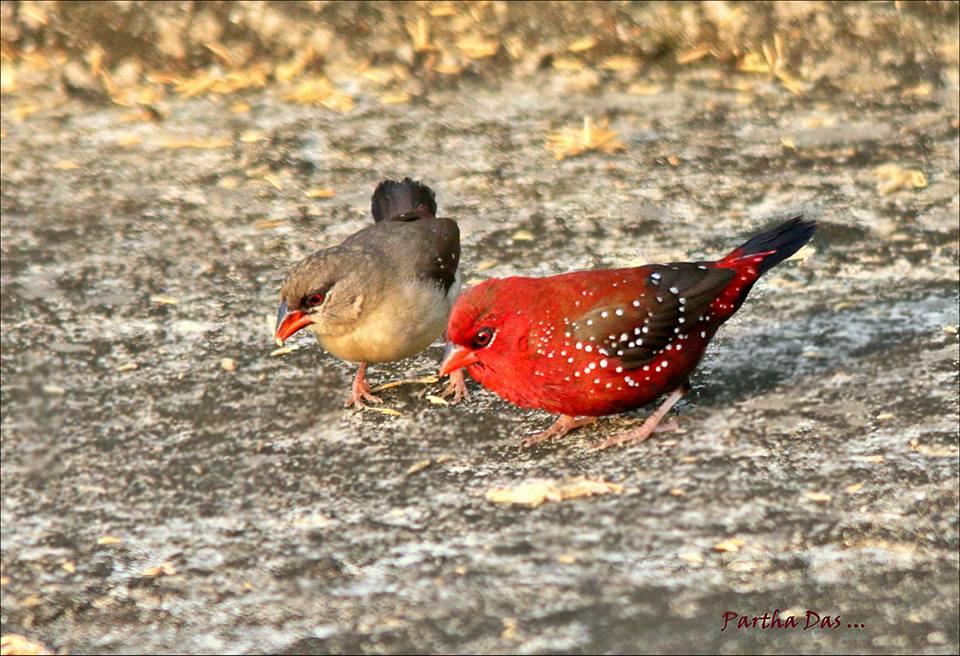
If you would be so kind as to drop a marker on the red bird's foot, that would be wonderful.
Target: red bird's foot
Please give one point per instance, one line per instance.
(361, 391)
(649, 426)
(456, 388)
(560, 427)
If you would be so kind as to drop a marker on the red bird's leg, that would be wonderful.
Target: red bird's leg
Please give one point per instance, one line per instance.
(560, 427)
(650, 425)
(457, 387)
(361, 390)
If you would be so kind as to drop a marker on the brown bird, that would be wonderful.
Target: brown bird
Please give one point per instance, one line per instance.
(385, 293)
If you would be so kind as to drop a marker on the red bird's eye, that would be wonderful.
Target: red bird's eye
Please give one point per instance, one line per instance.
(483, 337)
(313, 299)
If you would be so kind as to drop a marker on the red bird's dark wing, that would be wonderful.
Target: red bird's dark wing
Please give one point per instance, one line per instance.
(672, 298)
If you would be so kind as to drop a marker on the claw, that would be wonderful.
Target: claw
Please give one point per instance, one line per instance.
(560, 427)
(360, 391)
(457, 387)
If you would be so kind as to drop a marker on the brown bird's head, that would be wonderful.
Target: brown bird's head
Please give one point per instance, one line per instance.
(326, 292)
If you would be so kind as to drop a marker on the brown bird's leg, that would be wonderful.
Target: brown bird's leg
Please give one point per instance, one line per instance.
(560, 427)
(650, 425)
(456, 387)
(361, 390)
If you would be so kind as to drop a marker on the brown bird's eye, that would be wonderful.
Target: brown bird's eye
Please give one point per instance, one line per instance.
(314, 299)
(483, 337)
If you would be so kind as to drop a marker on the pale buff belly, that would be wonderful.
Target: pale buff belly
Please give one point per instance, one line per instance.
(397, 329)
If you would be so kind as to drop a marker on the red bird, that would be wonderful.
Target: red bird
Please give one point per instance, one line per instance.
(592, 343)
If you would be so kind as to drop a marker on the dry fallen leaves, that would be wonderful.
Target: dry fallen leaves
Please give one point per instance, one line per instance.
(13, 643)
(108, 540)
(199, 143)
(320, 91)
(570, 142)
(476, 47)
(222, 83)
(582, 44)
(731, 546)
(892, 178)
(770, 61)
(425, 380)
(320, 193)
(384, 411)
(163, 569)
(536, 492)
(692, 557)
(817, 497)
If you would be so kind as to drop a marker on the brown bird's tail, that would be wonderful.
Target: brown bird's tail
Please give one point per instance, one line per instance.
(405, 200)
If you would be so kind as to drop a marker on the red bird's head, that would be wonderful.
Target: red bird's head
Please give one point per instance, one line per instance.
(486, 331)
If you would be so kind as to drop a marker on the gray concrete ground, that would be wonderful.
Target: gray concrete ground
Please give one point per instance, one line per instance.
(155, 501)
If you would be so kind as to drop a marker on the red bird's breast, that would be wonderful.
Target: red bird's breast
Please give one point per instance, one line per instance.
(601, 342)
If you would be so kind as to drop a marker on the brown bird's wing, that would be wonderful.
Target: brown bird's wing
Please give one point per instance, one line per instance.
(414, 247)
(670, 300)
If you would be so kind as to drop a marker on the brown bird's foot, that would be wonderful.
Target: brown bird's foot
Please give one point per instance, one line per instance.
(457, 387)
(560, 427)
(648, 427)
(361, 391)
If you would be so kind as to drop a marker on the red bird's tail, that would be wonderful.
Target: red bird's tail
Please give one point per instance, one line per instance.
(760, 254)
(775, 245)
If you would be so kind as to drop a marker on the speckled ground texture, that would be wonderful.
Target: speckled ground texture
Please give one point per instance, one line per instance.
(821, 431)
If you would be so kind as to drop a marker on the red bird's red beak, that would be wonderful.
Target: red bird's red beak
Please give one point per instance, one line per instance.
(290, 322)
(457, 357)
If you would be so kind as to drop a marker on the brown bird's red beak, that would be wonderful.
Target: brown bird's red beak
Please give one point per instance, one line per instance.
(457, 357)
(290, 322)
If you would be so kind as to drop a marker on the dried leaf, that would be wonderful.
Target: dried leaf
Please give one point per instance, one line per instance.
(691, 56)
(693, 557)
(620, 63)
(536, 492)
(418, 467)
(198, 143)
(476, 47)
(853, 489)
(442, 11)
(163, 299)
(570, 142)
(320, 91)
(582, 44)
(163, 569)
(568, 64)
(644, 89)
(317, 192)
(731, 546)
(399, 98)
(509, 628)
(252, 136)
(13, 643)
(523, 235)
(892, 178)
(108, 540)
(284, 350)
(420, 35)
(425, 380)
(384, 411)
(818, 497)
(128, 366)
(294, 67)
(437, 400)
